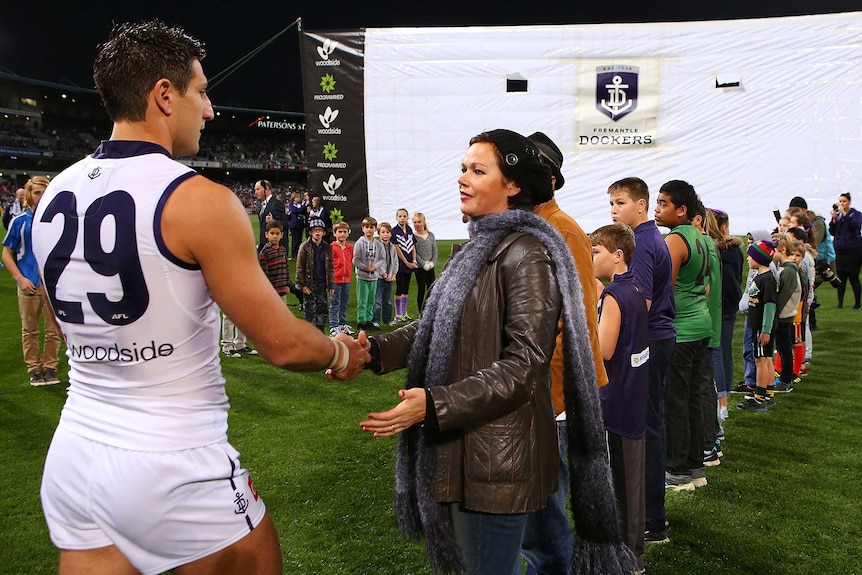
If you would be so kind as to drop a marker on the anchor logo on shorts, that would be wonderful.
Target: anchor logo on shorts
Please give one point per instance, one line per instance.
(241, 504)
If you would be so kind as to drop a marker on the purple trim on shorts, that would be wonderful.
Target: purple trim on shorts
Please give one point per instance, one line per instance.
(232, 471)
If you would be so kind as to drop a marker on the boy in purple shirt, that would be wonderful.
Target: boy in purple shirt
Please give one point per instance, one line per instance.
(625, 350)
(651, 268)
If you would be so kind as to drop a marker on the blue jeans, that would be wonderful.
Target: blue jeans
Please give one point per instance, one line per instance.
(489, 543)
(338, 304)
(656, 454)
(383, 302)
(723, 361)
(717, 374)
(749, 369)
(709, 399)
(547, 544)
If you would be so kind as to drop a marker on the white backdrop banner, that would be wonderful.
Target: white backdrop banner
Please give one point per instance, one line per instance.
(750, 112)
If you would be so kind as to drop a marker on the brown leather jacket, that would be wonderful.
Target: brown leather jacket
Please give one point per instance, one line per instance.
(305, 264)
(497, 444)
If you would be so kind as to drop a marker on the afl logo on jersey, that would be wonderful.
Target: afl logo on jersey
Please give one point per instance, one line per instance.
(95, 173)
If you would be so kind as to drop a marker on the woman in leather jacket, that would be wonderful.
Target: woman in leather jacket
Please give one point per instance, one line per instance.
(477, 447)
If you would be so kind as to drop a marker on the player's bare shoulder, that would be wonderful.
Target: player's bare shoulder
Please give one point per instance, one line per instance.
(199, 204)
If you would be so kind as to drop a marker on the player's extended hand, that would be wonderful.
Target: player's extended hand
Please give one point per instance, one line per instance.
(409, 412)
(359, 356)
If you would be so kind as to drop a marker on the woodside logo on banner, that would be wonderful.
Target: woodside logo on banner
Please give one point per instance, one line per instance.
(333, 90)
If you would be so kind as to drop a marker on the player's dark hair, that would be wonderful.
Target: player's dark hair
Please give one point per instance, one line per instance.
(135, 57)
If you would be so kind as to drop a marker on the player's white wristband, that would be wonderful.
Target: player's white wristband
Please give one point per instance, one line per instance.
(340, 357)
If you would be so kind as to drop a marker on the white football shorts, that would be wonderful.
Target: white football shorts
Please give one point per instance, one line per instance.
(161, 509)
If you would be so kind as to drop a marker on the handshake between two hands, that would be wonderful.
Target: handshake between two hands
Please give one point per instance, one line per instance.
(358, 355)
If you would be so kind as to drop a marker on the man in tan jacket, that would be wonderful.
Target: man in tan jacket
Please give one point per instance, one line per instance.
(547, 544)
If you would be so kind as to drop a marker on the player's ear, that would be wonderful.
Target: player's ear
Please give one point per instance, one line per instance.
(162, 94)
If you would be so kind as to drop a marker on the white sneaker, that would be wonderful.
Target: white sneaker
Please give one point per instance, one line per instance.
(232, 353)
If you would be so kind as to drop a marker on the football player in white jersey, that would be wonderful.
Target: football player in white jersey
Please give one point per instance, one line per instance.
(140, 477)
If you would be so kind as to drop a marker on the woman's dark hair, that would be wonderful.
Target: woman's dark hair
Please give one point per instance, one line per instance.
(520, 161)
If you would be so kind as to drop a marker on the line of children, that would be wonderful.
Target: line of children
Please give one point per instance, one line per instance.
(321, 272)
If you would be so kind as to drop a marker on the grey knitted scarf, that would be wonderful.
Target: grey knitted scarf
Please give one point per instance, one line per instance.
(598, 543)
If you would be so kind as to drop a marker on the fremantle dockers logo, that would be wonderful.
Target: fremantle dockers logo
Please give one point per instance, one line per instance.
(616, 90)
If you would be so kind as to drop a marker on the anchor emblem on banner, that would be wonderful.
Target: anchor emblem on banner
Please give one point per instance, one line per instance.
(616, 90)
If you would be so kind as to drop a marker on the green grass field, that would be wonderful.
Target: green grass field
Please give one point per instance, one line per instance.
(786, 498)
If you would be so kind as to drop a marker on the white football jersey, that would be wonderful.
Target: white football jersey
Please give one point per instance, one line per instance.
(140, 326)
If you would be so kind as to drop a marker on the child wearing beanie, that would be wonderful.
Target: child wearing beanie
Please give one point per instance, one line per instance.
(762, 295)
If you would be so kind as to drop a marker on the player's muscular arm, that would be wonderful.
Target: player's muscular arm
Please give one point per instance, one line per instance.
(205, 223)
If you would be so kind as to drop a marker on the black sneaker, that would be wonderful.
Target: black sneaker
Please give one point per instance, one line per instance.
(655, 537)
(37, 379)
(743, 388)
(752, 404)
(781, 387)
(232, 353)
(50, 376)
(247, 350)
(674, 482)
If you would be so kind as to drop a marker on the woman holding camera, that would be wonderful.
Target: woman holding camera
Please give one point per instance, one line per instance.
(846, 228)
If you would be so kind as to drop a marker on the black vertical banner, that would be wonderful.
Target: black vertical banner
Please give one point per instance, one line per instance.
(333, 65)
